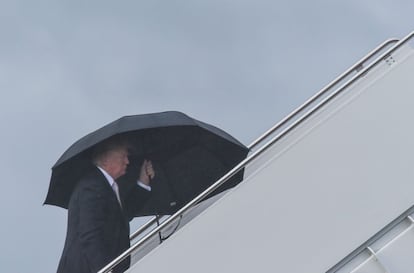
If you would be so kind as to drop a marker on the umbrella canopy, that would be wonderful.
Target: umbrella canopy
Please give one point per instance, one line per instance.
(188, 156)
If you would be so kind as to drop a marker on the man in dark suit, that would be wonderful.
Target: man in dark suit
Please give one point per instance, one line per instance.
(99, 211)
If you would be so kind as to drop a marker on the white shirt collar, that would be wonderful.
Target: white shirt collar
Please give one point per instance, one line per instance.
(111, 181)
(109, 178)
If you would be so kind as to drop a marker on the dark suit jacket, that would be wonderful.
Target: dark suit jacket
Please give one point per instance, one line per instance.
(98, 228)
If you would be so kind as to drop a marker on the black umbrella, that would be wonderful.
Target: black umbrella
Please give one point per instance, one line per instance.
(188, 156)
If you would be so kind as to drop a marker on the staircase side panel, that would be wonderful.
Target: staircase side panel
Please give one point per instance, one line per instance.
(317, 194)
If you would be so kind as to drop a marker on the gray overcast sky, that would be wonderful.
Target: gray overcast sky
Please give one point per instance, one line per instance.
(69, 67)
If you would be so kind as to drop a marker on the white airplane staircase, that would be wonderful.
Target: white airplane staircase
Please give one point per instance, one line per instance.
(328, 189)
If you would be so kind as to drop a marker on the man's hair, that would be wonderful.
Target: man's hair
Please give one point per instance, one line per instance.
(114, 143)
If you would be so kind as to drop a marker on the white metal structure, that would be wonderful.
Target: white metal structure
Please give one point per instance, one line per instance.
(331, 191)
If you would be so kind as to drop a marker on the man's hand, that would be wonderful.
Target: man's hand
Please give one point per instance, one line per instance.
(147, 172)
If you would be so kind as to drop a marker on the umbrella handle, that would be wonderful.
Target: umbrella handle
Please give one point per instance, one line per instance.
(162, 239)
(174, 230)
(157, 218)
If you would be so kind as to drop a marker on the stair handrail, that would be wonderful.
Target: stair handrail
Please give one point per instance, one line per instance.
(366, 245)
(142, 228)
(251, 157)
(357, 66)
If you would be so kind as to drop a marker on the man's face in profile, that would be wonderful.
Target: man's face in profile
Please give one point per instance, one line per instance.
(117, 162)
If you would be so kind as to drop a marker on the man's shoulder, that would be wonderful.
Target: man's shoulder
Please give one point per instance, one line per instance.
(92, 178)
(90, 185)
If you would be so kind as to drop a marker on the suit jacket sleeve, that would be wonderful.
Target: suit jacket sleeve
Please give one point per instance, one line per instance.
(134, 198)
